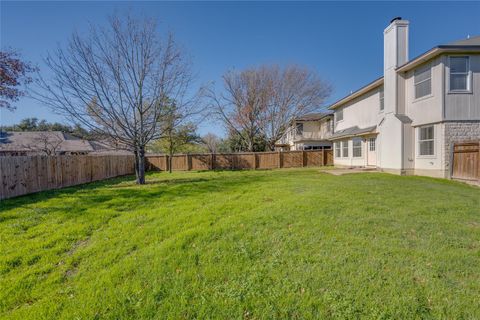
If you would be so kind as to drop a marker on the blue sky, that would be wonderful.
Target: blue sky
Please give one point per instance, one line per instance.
(342, 41)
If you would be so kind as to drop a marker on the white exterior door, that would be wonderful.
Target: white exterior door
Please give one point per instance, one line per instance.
(372, 151)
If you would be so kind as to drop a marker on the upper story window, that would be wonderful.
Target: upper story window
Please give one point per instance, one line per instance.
(382, 101)
(329, 125)
(423, 81)
(459, 74)
(339, 115)
(426, 141)
(299, 129)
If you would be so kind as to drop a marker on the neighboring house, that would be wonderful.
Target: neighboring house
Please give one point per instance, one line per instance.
(309, 132)
(49, 143)
(407, 121)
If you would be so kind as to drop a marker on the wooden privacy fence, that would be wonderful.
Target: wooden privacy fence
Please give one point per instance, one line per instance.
(23, 175)
(466, 161)
(250, 160)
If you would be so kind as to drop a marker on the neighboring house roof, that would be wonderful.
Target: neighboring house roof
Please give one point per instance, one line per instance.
(33, 141)
(352, 132)
(372, 85)
(314, 116)
(469, 45)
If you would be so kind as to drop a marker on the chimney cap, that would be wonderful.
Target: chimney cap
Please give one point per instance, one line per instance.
(395, 19)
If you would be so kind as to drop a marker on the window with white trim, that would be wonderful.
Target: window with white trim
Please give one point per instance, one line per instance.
(382, 100)
(423, 81)
(337, 149)
(357, 147)
(339, 115)
(426, 141)
(459, 73)
(371, 144)
(299, 129)
(345, 149)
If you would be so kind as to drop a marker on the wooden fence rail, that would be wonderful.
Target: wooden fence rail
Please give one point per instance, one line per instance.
(23, 175)
(29, 174)
(466, 161)
(247, 160)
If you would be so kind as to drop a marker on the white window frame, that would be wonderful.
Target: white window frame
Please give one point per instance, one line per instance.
(343, 149)
(328, 123)
(381, 97)
(338, 148)
(469, 75)
(426, 140)
(429, 65)
(370, 144)
(299, 132)
(339, 111)
(357, 147)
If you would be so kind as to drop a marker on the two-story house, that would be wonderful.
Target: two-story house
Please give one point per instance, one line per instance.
(308, 132)
(407, 121)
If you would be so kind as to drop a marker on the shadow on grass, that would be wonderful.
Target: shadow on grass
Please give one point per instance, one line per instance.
(122, 194)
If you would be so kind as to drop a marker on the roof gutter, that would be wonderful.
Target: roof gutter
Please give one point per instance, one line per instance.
(369, 133)
(435, 52)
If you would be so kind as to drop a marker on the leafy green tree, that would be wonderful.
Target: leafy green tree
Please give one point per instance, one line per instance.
(237, 143)
(33, 124)
(179, 139)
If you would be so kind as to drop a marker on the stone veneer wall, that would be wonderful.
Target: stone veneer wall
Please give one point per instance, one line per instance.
(458, 132)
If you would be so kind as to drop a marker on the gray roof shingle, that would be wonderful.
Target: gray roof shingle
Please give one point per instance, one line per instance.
(351, 132)
(314, 116)
(472, 41)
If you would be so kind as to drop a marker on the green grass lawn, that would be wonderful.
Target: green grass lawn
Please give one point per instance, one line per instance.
(294, 244)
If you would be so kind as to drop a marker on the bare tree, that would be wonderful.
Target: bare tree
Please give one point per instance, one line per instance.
(241, 107)
(211, 142)
(118, 82)
(178, 126)
(294, 91)
(263, 101)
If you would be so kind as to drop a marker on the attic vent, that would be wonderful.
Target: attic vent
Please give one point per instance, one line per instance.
(396, 18)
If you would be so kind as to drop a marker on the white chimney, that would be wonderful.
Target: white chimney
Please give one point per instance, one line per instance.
(395, 48)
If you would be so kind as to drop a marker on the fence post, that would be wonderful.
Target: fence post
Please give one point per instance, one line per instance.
(452, 158)
(189, 161)
(478, 162)
(254, 161)
(304, 159)
(280, 164)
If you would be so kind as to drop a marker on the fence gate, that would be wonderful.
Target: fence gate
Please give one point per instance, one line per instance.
(466, 161)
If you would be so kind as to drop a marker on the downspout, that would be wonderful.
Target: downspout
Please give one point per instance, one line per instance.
(402, 153)
(443, 62)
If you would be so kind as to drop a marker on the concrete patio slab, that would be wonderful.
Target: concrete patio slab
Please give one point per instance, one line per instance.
(342, 171)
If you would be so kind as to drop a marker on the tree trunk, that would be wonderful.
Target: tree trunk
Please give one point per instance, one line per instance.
(141, 165)
(250, 145)
(170, 159)
(135, 154)
(271, 145)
